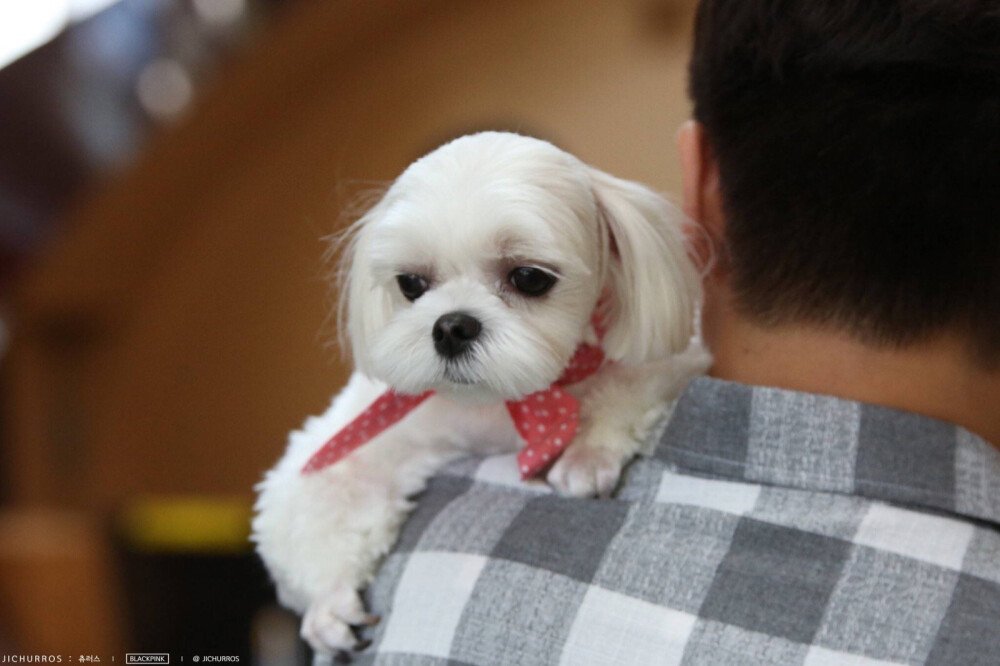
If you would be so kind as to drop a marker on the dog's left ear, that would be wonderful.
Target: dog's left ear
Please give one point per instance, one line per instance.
(365, 305)
(653, 282)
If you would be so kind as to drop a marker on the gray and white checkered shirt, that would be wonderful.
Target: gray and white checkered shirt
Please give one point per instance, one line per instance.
(765, 527)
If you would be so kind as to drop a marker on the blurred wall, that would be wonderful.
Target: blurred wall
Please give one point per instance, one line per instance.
(179, 327)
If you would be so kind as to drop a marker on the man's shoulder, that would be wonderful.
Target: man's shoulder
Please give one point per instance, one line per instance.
(684, 565)
(788, 527)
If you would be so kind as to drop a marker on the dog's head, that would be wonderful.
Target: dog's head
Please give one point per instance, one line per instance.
(478, 272)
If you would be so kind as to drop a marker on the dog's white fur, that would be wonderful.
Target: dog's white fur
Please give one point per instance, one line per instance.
(464, 216)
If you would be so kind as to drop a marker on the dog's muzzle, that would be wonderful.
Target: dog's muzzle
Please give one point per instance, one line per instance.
(454, 333)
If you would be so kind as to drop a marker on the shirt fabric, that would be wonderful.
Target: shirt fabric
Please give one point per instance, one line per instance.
(763, 526)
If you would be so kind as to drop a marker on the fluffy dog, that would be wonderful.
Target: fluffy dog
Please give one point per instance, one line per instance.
(477, 276)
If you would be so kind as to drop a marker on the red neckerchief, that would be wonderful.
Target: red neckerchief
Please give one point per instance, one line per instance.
(546, 420)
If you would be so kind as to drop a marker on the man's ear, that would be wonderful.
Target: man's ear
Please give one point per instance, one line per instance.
(702, 196)
(691, 146)
(654, 285)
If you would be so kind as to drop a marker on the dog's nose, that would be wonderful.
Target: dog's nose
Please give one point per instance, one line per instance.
(454, 333)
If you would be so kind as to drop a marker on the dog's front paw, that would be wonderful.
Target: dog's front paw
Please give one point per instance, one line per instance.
(585, 471)
(329, 621)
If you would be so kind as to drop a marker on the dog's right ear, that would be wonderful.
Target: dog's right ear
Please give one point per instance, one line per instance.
(365, 305)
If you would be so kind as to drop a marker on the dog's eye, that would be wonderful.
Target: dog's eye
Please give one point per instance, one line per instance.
(412, 286)
(531, 281)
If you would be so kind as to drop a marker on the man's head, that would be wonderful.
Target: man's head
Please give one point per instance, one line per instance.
(855, 149)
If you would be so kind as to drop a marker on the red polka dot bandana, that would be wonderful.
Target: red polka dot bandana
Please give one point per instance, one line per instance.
(546, 420)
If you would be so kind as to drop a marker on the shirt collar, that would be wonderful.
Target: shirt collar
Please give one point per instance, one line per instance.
(821, 443)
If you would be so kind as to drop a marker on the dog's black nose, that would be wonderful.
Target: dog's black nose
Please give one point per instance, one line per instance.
(454, 333)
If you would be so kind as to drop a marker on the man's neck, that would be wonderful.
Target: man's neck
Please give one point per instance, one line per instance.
(935, 378)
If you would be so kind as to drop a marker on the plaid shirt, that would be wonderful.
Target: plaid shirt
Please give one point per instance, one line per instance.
(764, 527)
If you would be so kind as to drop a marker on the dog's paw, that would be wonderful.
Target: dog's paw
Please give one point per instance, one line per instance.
(585, 471)
(329, 621)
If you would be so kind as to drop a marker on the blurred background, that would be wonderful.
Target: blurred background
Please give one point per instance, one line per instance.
(168, 169)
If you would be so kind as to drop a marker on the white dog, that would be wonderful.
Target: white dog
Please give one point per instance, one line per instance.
(477, 277)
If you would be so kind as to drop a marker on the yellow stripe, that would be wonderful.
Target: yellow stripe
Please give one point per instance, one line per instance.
(188, 524)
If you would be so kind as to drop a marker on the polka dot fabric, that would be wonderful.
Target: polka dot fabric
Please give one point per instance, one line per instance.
(386, 411)
(546, 420)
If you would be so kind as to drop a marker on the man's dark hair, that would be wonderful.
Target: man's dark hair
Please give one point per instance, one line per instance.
(858, 143)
